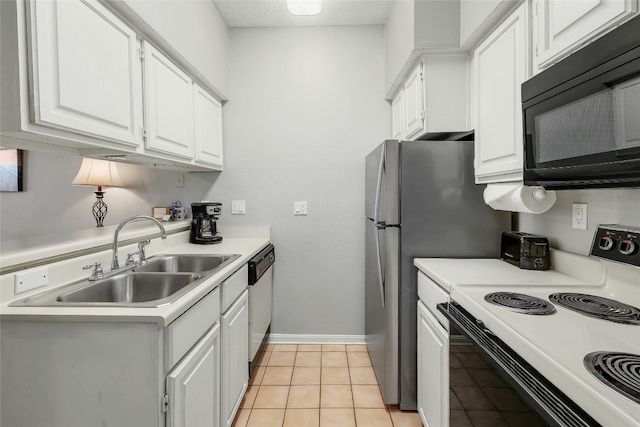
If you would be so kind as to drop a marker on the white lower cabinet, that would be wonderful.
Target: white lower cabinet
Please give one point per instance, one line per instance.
(235, 357)
(433, 370)
(194, 385)
(135, 373)
(499, 67)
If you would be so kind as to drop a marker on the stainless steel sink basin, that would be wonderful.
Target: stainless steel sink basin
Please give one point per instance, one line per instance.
(161, 281)
(184, 263)
(130, 288)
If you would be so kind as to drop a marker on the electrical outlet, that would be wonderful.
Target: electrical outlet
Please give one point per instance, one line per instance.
(34, 278)
(579, 216)
(179, 180)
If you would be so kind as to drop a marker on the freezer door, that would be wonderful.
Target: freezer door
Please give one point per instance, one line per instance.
(381, 307)
(382, 203)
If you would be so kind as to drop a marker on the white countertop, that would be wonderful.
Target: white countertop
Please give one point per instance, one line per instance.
(448, 272)
(245, 241)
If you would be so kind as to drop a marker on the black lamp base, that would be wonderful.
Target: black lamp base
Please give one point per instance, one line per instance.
(99, 209)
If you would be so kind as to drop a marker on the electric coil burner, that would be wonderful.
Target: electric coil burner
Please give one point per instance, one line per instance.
(619, 371)
(520, 303)
(598, 307)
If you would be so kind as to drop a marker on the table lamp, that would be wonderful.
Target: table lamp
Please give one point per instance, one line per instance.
(98, 173)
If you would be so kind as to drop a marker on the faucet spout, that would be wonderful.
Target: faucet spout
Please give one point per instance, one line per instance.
(114, 260)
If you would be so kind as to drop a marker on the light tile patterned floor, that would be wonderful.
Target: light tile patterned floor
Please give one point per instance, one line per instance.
(318, 386)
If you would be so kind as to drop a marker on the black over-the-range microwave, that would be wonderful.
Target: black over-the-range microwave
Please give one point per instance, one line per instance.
(582, 116)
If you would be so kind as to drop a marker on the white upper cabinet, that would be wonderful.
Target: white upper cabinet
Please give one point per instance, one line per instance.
(499, 67)
(433, 99)
(413, 104)
(86, 71)
(78, 79)
(169, 101)
(397, 118)
(563, 26)
(208, 127)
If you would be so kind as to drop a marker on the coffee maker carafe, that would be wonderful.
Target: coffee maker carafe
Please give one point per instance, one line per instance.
(203, 225)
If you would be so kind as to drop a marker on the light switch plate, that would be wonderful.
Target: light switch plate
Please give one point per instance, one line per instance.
(237, 207)
(26, 281)
(300, 208)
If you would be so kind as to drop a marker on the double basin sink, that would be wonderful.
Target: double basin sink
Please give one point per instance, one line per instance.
(160, 281)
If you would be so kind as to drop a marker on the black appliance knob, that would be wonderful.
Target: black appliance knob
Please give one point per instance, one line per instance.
(538, 262)
(606, 243)
(627, 247)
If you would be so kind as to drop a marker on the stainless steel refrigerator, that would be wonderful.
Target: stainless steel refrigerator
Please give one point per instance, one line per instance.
(421, 202)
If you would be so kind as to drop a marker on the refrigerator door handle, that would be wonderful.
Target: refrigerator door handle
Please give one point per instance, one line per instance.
(380, 267)
(376, 209)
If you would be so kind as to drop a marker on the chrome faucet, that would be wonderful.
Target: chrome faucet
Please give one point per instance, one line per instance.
(115, 265)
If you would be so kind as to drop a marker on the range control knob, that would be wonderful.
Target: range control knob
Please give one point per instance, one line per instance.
(606, 243)
(627, 247)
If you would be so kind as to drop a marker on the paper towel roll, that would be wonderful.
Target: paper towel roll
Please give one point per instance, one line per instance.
(516, 197)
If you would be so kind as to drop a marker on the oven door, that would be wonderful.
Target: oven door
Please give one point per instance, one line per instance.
(586, 133)
(491, 384)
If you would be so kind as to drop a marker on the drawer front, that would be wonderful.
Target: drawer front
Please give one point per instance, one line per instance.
(431, 294)
(234, 286)
(187, 329)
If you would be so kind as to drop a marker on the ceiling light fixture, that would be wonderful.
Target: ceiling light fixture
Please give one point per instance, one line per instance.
(304, 7)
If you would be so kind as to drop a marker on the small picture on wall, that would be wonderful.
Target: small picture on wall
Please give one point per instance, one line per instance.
(11, 169)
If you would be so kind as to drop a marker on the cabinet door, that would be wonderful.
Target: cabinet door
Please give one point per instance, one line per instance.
(235, 357)
(563, 26)
(499, 67)
(169, 102)
(414, 104)
(397, 116)
(86, 73)
(208, 127)
(433, 370)
(193, 387)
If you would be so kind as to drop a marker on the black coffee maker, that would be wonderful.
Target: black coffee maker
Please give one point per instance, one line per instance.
(203, 225)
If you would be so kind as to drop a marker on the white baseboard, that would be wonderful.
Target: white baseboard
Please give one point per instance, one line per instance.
(315, 339)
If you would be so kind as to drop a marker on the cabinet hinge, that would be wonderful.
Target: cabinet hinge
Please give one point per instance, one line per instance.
(165, 402)
(143, 132)
(141, 53)
(422, 115)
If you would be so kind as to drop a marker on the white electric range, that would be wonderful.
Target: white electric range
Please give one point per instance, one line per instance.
(556, 344)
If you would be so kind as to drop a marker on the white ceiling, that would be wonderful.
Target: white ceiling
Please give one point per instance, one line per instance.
(274, 13)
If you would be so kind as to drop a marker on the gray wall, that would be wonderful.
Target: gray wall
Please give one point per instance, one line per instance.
(50, 204)
(306, 106)
(604, 206)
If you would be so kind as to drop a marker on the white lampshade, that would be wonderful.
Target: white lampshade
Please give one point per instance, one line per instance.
(98, 173)
(304, 7)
